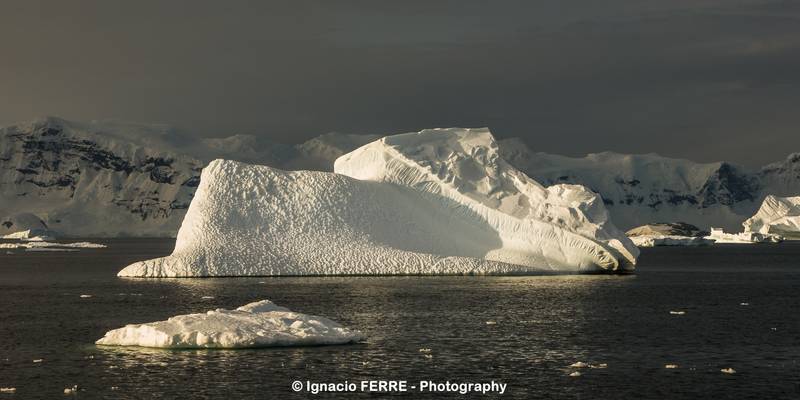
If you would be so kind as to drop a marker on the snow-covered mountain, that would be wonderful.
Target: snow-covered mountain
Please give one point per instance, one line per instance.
(641, 189)
(111, 178)
(119, 179)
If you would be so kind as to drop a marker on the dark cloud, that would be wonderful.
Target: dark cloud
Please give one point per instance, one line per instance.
(705, 80)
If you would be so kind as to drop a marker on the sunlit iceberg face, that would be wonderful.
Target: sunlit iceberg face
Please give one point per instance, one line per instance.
(434, 202)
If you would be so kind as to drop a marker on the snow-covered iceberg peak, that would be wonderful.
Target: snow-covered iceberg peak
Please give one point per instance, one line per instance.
(777, 215)
(259, 324)
(464, 165)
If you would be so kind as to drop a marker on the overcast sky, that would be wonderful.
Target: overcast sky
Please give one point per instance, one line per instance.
(701, 79)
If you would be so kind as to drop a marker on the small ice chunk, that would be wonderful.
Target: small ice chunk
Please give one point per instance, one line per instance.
(259, 324)
(579, 364)
(491, 322)
(38, 360)
(428, 356)
(677, 312)
(576, 373)
(86, 296)
(598, 366)
(8, 390)
(671, 366)
(744, 304)
(115, 388)
(424, 350)
(72, 390)
(207, 297)
(728, 371)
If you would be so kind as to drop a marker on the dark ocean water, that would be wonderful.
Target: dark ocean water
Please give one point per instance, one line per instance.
(543, 324)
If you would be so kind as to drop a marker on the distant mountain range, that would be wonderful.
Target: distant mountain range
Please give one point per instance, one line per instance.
(117, 179)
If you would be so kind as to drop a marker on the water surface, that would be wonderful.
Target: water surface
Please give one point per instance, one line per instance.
(543, 324)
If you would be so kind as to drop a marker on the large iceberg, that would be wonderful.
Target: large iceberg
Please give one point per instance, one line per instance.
(259, 324)
(434, 202)
(777, 215)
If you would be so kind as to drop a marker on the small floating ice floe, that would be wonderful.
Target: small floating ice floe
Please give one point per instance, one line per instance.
(576, 373)
(207, 297)
(677, 312)
(38, 360)
(115, 388)
(424, 350)
(259, 324)
(72, 390)
(428, 356)
(8, 390)
(579, 364)
(491, 322)
(728, 371)
(671, 366)
(598, 366)
(86, 296)
(744, 304)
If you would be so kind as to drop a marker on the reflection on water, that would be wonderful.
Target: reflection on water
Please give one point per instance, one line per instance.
(542, 325)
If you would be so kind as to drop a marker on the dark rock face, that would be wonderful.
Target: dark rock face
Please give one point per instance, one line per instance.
(728, 186)
(48, 162)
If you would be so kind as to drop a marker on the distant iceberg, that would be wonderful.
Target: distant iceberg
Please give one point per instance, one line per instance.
(777, 215)
(259, 324)
(435, 202)
(668, 234)
(718, 235)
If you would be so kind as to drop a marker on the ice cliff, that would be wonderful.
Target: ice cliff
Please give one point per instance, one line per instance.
(777, 215)
(433, 202)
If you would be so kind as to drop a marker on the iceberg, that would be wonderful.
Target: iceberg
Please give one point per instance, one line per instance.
(668, 234)
(777, 215)
(434, 202)
(718, 235)
(669, 240)
(258, 324)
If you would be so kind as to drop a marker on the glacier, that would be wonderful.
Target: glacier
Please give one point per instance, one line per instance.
(443, 202)
(258, 324)
(777, 215)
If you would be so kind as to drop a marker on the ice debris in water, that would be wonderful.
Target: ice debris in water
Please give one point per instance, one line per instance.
(8, 390)
(259, 324)
(728, 371)
(86, 296)
(599, 366)
(579, 364)
(424, 350)
(576, 373)
(38, 360)
(677, 312)
(207, 297)
(491, 322)
(744, 304)
(671, 366)
(72, 390)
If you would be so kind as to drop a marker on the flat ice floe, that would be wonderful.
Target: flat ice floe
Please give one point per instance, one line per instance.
(433, 202)
(259, 324)
(41, 245)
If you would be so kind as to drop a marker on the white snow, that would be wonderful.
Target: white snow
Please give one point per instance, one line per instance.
(669, 240)
(258, 324)
(777, 215)
(43, 245)
(720, 236)
(434, 202)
